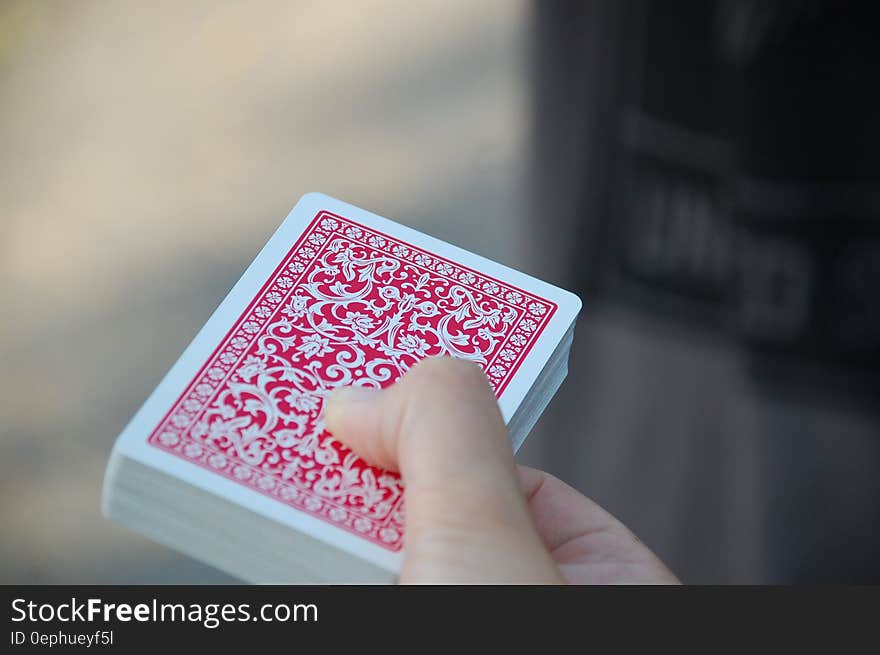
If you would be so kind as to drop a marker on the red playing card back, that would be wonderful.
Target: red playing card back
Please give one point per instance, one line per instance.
(346, 305)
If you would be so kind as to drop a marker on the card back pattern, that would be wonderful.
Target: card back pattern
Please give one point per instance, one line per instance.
(346, 305)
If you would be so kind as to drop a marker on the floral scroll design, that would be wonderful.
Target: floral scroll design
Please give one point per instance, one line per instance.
(347, 305)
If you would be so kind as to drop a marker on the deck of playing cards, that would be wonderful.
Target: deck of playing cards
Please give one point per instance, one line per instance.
(229, 459)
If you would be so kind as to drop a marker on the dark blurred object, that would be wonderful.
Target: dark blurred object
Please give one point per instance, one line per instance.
(714, 169)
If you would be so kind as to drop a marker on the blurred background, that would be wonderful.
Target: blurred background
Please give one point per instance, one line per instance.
(704, 174)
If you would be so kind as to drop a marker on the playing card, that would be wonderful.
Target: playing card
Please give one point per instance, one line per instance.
(338, 296)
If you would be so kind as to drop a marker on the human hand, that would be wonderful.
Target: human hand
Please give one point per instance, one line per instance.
(471, 515)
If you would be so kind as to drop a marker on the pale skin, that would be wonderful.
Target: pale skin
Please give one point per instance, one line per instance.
(472, 515)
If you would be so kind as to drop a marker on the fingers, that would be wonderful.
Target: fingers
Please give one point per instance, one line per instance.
(440, 426)
(588, 543)
(468, 519)
(560, 512)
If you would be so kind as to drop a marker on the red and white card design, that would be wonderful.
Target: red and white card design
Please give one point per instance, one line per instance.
(348, 302)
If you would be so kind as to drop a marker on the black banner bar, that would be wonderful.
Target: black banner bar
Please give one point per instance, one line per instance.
(127, 618)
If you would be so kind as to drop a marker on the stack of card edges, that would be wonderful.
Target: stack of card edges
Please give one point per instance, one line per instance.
(229, 459)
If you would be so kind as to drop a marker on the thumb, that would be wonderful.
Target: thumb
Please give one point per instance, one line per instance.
(466, 515)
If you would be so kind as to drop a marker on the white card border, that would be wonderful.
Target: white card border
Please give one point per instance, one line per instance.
(132, 442)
